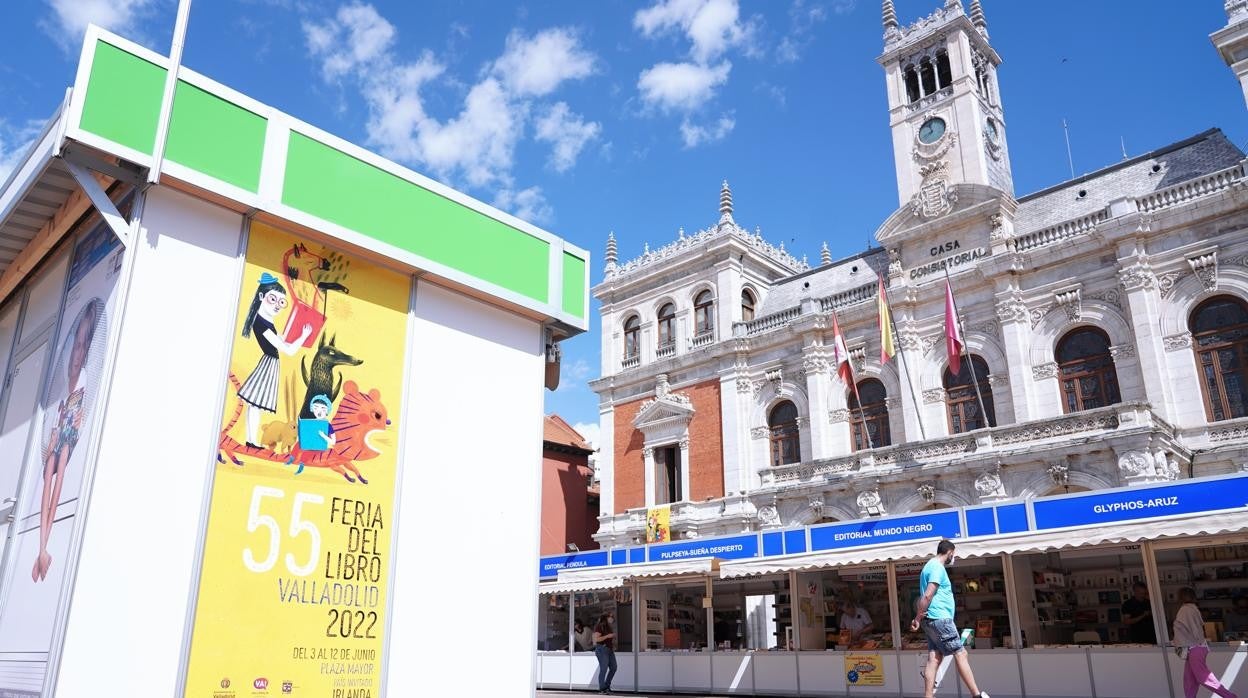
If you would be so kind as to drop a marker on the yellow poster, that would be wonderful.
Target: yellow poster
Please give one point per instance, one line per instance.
(658, 520)
(293, 586)
(864, 670)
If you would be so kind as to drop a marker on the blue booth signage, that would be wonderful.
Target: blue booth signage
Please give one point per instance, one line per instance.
(1063, 511)
(1142, 503)
(549, 566)
(730, 548)
(945, 524)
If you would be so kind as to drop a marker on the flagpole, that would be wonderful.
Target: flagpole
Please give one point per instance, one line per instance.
(918, 413)
(853, 384)
(970, 363)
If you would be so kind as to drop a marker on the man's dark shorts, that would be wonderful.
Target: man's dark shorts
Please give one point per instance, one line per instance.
(942, 636)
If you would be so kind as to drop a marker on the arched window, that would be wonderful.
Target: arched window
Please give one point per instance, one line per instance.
(1086, 370)
(785, 439)
(871, 417)
(943, 75)
(928, 75)
(747, 306)
(964, 412)
(703, 313)
(632, 333)
(667, 327)
(912, 85)
(1219, 328)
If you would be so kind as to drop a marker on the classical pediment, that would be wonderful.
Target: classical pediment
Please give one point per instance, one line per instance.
(666, 408)
(663, 410)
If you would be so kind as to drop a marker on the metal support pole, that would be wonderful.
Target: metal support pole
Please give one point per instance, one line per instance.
(171, 85)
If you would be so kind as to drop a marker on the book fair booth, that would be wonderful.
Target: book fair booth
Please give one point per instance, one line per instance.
(241, 361)
(1049, 587)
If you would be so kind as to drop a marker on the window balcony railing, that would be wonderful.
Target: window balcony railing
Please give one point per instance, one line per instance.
(665, 350)
(979, 444)
(702, 339)
(631, 362)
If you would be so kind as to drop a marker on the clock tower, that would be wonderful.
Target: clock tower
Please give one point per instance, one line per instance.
(944, 107)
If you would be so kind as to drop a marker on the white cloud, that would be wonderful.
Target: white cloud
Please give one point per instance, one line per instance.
(591, 431)
(713, 26)
(695, 135)
(681, 86)
(568, 132)
(357, 46)
(355, 38)
(70, 18)
(537, 66)
(14, 142)
(803, 17)
(527, 204)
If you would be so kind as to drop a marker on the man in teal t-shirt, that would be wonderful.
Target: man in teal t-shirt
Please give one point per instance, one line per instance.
(935, 616)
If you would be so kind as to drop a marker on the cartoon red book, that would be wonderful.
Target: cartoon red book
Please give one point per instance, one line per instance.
(303, 314)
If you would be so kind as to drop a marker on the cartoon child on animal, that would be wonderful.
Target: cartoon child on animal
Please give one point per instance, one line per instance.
(62, 427)
(259, 391)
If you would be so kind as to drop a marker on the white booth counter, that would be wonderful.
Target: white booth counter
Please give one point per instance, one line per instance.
(1059, 590)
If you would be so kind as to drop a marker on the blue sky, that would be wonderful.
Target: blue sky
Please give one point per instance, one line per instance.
(586, 117)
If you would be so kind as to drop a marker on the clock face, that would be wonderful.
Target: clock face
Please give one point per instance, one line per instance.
(932, 130)
(990, 126)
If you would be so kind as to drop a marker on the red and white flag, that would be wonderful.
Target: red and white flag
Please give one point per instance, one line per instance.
(953, 335)
(843, 369)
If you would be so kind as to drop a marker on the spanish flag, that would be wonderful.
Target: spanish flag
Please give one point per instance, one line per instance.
(887, 348)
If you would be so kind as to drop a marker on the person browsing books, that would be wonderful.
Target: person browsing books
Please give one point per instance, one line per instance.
(1137, 614)
(856, 620)
(934, 614)
(1189, 640)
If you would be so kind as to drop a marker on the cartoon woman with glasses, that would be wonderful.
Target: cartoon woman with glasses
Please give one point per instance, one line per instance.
(259, 391)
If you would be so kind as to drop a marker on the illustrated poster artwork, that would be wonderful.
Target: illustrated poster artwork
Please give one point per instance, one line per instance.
(51, 494)
(294, 580)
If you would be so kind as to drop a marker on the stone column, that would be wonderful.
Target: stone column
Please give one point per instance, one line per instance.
(1140, 283)
(647, 454)
(1016, 336)
(815, 363)
(685, 495)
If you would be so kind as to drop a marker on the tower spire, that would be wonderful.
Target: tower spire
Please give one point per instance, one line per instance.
(977, 18)
(825, 255)
(611, 256)
(725, 203)
(890, 16)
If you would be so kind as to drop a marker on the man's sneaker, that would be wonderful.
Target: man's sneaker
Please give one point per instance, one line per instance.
(983, 694)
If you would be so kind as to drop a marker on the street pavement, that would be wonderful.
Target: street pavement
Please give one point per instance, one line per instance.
(587, 694)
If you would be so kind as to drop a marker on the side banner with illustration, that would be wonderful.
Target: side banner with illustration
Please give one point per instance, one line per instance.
(293, 590)
(658, 524)
(52, 487)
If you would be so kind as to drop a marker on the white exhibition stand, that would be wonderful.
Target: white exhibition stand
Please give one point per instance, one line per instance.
(1077, 672)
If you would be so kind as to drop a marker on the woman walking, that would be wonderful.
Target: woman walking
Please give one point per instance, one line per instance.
(604, 649)
(1189, 638)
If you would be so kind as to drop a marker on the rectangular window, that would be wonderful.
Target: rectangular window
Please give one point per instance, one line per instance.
(667, 478)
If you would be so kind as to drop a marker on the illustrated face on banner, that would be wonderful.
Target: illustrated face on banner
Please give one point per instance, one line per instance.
(294, 580)
(51, 495)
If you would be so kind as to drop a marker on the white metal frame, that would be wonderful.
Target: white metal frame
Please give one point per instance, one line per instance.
(279, 128)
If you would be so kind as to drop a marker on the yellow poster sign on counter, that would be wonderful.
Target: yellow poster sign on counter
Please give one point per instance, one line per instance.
(294, 580)
(864, 670)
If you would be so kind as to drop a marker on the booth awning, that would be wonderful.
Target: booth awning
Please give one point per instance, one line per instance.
(580, 585)
(616, 575)
(829, 558)
(1134, 532)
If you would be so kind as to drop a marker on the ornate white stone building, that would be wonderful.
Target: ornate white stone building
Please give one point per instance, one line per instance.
(1107, 318)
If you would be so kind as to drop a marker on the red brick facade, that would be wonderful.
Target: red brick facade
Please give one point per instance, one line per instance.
(706, 449)
(630, 474)
(706, 446)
